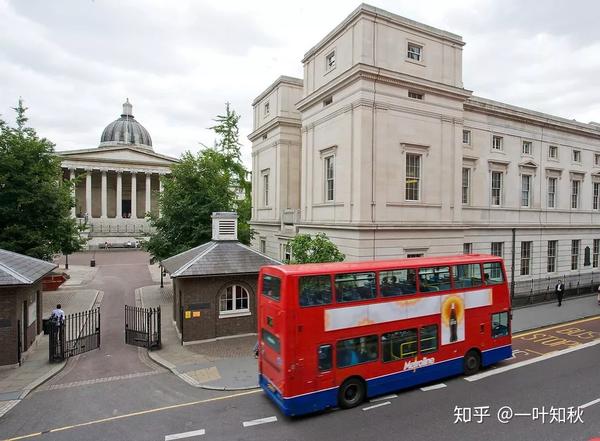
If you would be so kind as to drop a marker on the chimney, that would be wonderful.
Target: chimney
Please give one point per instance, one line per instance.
(224, 226)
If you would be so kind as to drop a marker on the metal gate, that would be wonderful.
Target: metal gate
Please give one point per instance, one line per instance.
(78, 333)
(142, 327)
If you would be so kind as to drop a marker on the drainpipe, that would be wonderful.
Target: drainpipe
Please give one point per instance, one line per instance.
(512, 266)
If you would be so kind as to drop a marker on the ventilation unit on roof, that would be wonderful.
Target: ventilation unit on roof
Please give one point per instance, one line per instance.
(224, 226)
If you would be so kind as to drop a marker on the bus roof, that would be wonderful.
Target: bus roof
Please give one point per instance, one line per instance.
(373, 265)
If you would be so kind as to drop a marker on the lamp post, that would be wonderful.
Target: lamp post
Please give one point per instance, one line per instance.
(161, 276)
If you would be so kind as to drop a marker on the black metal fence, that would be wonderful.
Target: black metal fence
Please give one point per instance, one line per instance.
(78, 333)
(543, 288)
(142, 327)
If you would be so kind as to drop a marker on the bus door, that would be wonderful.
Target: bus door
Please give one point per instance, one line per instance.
(324, 365)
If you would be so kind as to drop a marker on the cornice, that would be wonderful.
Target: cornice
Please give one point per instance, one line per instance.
(283, 79)
(362, 71)
(277, 121)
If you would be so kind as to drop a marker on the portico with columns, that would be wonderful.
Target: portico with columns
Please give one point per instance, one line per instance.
(117, 184)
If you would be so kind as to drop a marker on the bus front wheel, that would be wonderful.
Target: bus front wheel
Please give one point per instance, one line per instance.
(471, 362)
(351, 393)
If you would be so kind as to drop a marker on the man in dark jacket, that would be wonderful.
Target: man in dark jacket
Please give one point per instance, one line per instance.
(560, 291)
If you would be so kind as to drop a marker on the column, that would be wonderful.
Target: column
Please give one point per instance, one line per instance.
(88, 194)
(133, 196)
(119, 195)
(73, 194)
(104, 195)
(160, 191)
(148, 192)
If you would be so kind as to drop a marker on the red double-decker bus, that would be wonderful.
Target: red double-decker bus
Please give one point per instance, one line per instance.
(335, 334)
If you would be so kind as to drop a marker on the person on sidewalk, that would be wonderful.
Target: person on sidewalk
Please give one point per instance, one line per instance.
(58, 316)
(598, 294)
(559, 290)
(255, 350)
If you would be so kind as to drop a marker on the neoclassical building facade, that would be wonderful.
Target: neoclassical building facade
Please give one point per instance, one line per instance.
(118, 182)
(382, 147)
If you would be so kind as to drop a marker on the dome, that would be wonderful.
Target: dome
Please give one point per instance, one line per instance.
(126, 131)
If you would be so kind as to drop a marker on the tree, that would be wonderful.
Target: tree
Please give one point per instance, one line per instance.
(212, 180)
(317, 249)
(35, 201)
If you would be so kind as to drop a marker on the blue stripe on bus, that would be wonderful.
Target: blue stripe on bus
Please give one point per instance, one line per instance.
(323, 399)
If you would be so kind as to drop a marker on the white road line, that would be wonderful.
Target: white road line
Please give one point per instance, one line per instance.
(259, 421)
(591, 403)
(377, 405)
(387, 397)
(433, 387)
(185, 435)
(531, 361)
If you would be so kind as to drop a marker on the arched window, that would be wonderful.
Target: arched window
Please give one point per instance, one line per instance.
(234, 301)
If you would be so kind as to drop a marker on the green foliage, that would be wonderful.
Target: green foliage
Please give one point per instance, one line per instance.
(317, 249)
(35, 201)
(199, 185)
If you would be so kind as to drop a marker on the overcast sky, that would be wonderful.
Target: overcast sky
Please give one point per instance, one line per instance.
(75, 61)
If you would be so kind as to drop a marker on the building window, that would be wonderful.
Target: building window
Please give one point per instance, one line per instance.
(263, 246)
(267, 108)
(525, 258)
(266, 189)
(597, 159)
(551, 192)
(575, 184)
(467, 248)
(576, 155)
(467, 137)
(595, 201)
(527, 148)
(497, 142)
(595, 253)
(575, 254)
(552, 152)
(327, 101)
(414, 255)
(415, 52)
(466, 186)
(497, 188)
(286, 252)
(234, 301)
(552, 248)
(330, 61)
(525, 190)
(497, 249)
(415, 95)
(413, 176)
(329, 178)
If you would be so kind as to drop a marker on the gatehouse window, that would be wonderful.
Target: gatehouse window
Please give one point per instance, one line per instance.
(235, 301)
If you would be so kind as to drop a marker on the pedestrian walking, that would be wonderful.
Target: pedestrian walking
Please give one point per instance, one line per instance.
(598, 294)
(255, 350)
(58, 315)
(560, 291)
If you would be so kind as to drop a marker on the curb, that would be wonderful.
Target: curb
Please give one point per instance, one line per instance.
(548, 302)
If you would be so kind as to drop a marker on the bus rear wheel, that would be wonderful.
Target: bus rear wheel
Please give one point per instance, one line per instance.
(351, 393)
(471, 362)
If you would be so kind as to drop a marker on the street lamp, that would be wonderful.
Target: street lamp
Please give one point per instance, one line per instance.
(161, 276)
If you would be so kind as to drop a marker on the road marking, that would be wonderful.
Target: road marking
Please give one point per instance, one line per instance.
(133, 414)
(377, 405)
(99, 380)
(260, 421)
(433, 387)
(557, 326)
(591, 403)
(386, 397)
(185, 435)
(531, 361)
(535, 352)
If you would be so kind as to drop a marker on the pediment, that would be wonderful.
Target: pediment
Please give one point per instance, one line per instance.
(119, 155)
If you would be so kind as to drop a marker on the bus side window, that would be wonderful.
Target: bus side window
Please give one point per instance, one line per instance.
(467, 276)
(429, 339)
(324, 358)
(500, 324)
(492, 273)
(315, 290)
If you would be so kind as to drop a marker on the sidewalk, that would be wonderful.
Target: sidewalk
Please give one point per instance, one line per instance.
(544, 314)
(226, 364)
(16, 383)
(229, 364)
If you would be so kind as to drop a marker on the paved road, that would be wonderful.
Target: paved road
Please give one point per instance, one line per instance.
(567, 380)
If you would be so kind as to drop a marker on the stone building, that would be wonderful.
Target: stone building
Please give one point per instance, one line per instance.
(118, 182)
(382, 147)
(20, 304)
(215, 285)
